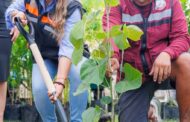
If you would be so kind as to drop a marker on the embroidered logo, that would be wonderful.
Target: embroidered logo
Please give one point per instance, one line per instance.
(160, 4)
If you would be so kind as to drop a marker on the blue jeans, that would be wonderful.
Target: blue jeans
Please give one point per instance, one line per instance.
(44, 106)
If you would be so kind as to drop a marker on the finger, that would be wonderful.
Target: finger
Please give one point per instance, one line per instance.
(59, 89)
(152, 70)
(50, 94)
(15, 35)
(165, 75)
(114, 64)
(114, 67)
(153, 118)
(24, 21)
(150, 115)
(160, 75)
(108, 74)
(169, 71)
(108, 69)
(55, 97)
(51, 98)
(117, 65)
(155, 73)
(12, 30)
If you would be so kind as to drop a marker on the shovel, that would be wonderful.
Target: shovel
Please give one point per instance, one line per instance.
(40, 62)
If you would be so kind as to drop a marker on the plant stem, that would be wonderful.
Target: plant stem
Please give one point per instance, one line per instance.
(109, 64)
(113, 94)
(98, 92)
(121, 66)
(107, 83)
(108, 33)
(112, 106)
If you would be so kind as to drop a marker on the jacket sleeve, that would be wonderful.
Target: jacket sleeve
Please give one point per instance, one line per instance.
(179, 37)
(114, 19)
(17, 5)
(66, 48)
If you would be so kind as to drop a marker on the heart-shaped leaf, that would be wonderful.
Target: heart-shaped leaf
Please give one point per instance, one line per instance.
(132, 80)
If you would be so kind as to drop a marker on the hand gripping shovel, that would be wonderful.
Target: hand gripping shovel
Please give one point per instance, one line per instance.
(39, 60)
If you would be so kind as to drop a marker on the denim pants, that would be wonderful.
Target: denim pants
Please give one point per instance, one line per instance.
(44, 106)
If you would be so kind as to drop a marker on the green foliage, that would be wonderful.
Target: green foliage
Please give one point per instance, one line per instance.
(21, 63)
(132, 32)
(93, 71)
(186, 8)
(90, 31)
(106, 100)
(78, 53)
(120, 34)
(91, 114)
(82, 88)
(112, 3)
(76, 38)
(119, 37)
(132, 79)
(98, 54)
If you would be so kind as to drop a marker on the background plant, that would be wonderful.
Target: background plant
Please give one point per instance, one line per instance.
(21, 67)
(186, 8)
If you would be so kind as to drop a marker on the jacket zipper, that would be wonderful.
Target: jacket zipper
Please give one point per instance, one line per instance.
(143, 47)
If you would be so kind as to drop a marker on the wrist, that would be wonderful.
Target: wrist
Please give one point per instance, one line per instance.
(167, 54)
(59, 83)
(60, 79)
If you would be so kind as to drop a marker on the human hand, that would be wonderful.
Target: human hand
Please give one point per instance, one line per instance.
(14, 33)
(20, 15)
(151, 114)
(114, 63)
(161, 68)
(59, 89)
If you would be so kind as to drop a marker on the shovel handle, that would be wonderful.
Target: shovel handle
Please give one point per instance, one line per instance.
(43, 70)
(60, 111)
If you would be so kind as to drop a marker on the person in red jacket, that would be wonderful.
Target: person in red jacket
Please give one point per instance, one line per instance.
(161, 54)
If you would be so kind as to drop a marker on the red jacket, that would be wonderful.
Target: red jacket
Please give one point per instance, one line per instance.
(165, 30)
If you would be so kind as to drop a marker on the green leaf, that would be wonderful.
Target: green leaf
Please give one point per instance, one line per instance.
(77, 54)
(133, 32)
(92, 16)
(133, 79)
(100, 35)
(115, 31)
(98, 54)
(82, 88)
(91, 114)
(77, 34)
(106, 100)
(93, 71)
(183, 1)
(121, 41)
(112, 3)
(119, 37)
